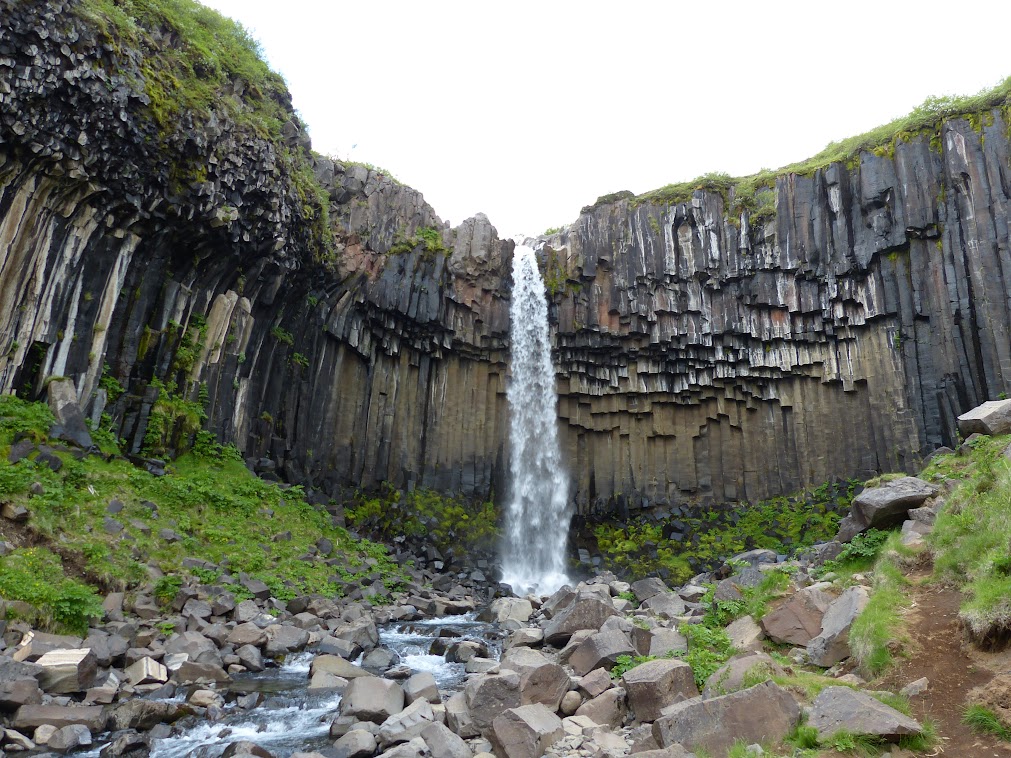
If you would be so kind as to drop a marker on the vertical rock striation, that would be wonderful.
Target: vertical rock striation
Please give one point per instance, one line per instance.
(702, 355)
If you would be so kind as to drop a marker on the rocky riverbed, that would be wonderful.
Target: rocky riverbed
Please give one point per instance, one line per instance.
(452, 673)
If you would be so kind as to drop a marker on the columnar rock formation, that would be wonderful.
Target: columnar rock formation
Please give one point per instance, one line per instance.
(700, 354)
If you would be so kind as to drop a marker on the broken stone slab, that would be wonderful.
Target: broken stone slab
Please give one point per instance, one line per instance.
(600, 650)
(731, 675)
(654, 685)
(34, 645)
(67, 671)
(797, 620)
(885, 505)
(358, 743)
(59, 716)
(587, 612)
(607, 708)
(745, 634)
(646, 588)
(191, 672)
(765, 713)
(525, 732)
(509, 608)
(372, 699)
(444, 743)
(842, 708)
(490, 694)
(458, 716)
(146, 671)
(73, 428)
(421, 686)
(992, 418)
(659, 641)
(832, 645)
(70, 737)
(407, 724)
(334, 664)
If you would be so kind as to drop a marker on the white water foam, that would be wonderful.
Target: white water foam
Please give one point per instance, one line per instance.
(537, 515)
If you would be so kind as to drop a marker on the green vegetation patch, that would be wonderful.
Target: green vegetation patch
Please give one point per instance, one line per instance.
(451, 524)
(59, 603)
(639, 548)
(983, 720)
(210, 505)
(972, 535)
(428, 238)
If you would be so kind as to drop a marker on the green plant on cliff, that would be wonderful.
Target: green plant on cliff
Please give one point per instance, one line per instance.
(427, 237)
(172, 422)
(450, 523)
(60, 603)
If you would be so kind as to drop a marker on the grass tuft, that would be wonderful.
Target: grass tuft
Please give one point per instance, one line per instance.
(982, 720)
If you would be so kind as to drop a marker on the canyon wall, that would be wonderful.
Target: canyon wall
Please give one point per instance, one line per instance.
(702, 354)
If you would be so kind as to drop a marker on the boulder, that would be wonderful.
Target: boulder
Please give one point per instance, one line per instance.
(71, 425)
(334, 664)
(443, 743)
(70, 737)
(765, 713)
(659, 641)
(146, 671)
(842, 708)
(992, 417)
(372, 699)
(666, 605)
(654, 685)
(525, 637)
(488, 695)
(570, 703)
(34, 645)
(357, 743)
(608, 708)
(587, 611)
(646, 588)
(32, 716)
(421, 686)
(595, 683)
(885, 505)
(832, 645)
(797, 620)
(66, 671)
(458, 716)
(247, 634)
(250, 658)
(416, 748)
(510, 609)
(196, 646)
(731, 675)
(525, 732)
(282, 639)
(745, 634)
(407, 724)
(189, 672)
(138, 713)
(600, 650)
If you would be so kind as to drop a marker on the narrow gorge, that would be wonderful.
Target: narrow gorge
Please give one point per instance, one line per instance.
(713, 344)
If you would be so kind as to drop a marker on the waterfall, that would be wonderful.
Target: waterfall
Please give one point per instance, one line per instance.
(537, 516)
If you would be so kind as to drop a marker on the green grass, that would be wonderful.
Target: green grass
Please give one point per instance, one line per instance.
(638, 548)
(709, 647)
(982, 720)
(450, 523)
(61, 604)
(879, 628)
(972, 534)
(220, 511)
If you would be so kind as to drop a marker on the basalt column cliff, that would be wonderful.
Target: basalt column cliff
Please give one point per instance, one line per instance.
(321, 315)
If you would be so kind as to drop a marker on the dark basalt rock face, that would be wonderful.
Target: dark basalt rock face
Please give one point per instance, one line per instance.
(700, 357)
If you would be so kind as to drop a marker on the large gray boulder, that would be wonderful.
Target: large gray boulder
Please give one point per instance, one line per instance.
(797, 620)
(992, 417)
(195, 645)
(607, 709)
(600, 650)
(525, 732)
(885, 505)
(646, 588)
(765, 713)
(444, 743)
(731, 675)
(666, 605)
(407, 724)
(832, 645)
(586, 611)
(487, 696)
(654, 685)
(372, 699)
(33, 716)
(541, 680)
(71, 425)
(841, 708)
(337, 666)
(510, 609)
(358, 743)
(421, 686)
(658, 641)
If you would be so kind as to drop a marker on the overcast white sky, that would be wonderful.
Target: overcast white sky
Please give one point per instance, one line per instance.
(527, 111)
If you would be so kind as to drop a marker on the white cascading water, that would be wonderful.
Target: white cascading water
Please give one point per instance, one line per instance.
(537, 516)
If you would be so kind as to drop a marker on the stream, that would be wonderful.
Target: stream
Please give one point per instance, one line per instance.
(291, 719)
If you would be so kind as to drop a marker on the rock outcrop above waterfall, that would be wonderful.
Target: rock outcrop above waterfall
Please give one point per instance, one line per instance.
(325, 318)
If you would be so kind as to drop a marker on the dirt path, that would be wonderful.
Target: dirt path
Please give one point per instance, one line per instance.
(938, 653)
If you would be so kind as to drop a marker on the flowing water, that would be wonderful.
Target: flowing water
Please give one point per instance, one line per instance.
(291, 718)
(537, 516)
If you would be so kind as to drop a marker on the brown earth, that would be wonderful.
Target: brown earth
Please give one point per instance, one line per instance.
(939, 652)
